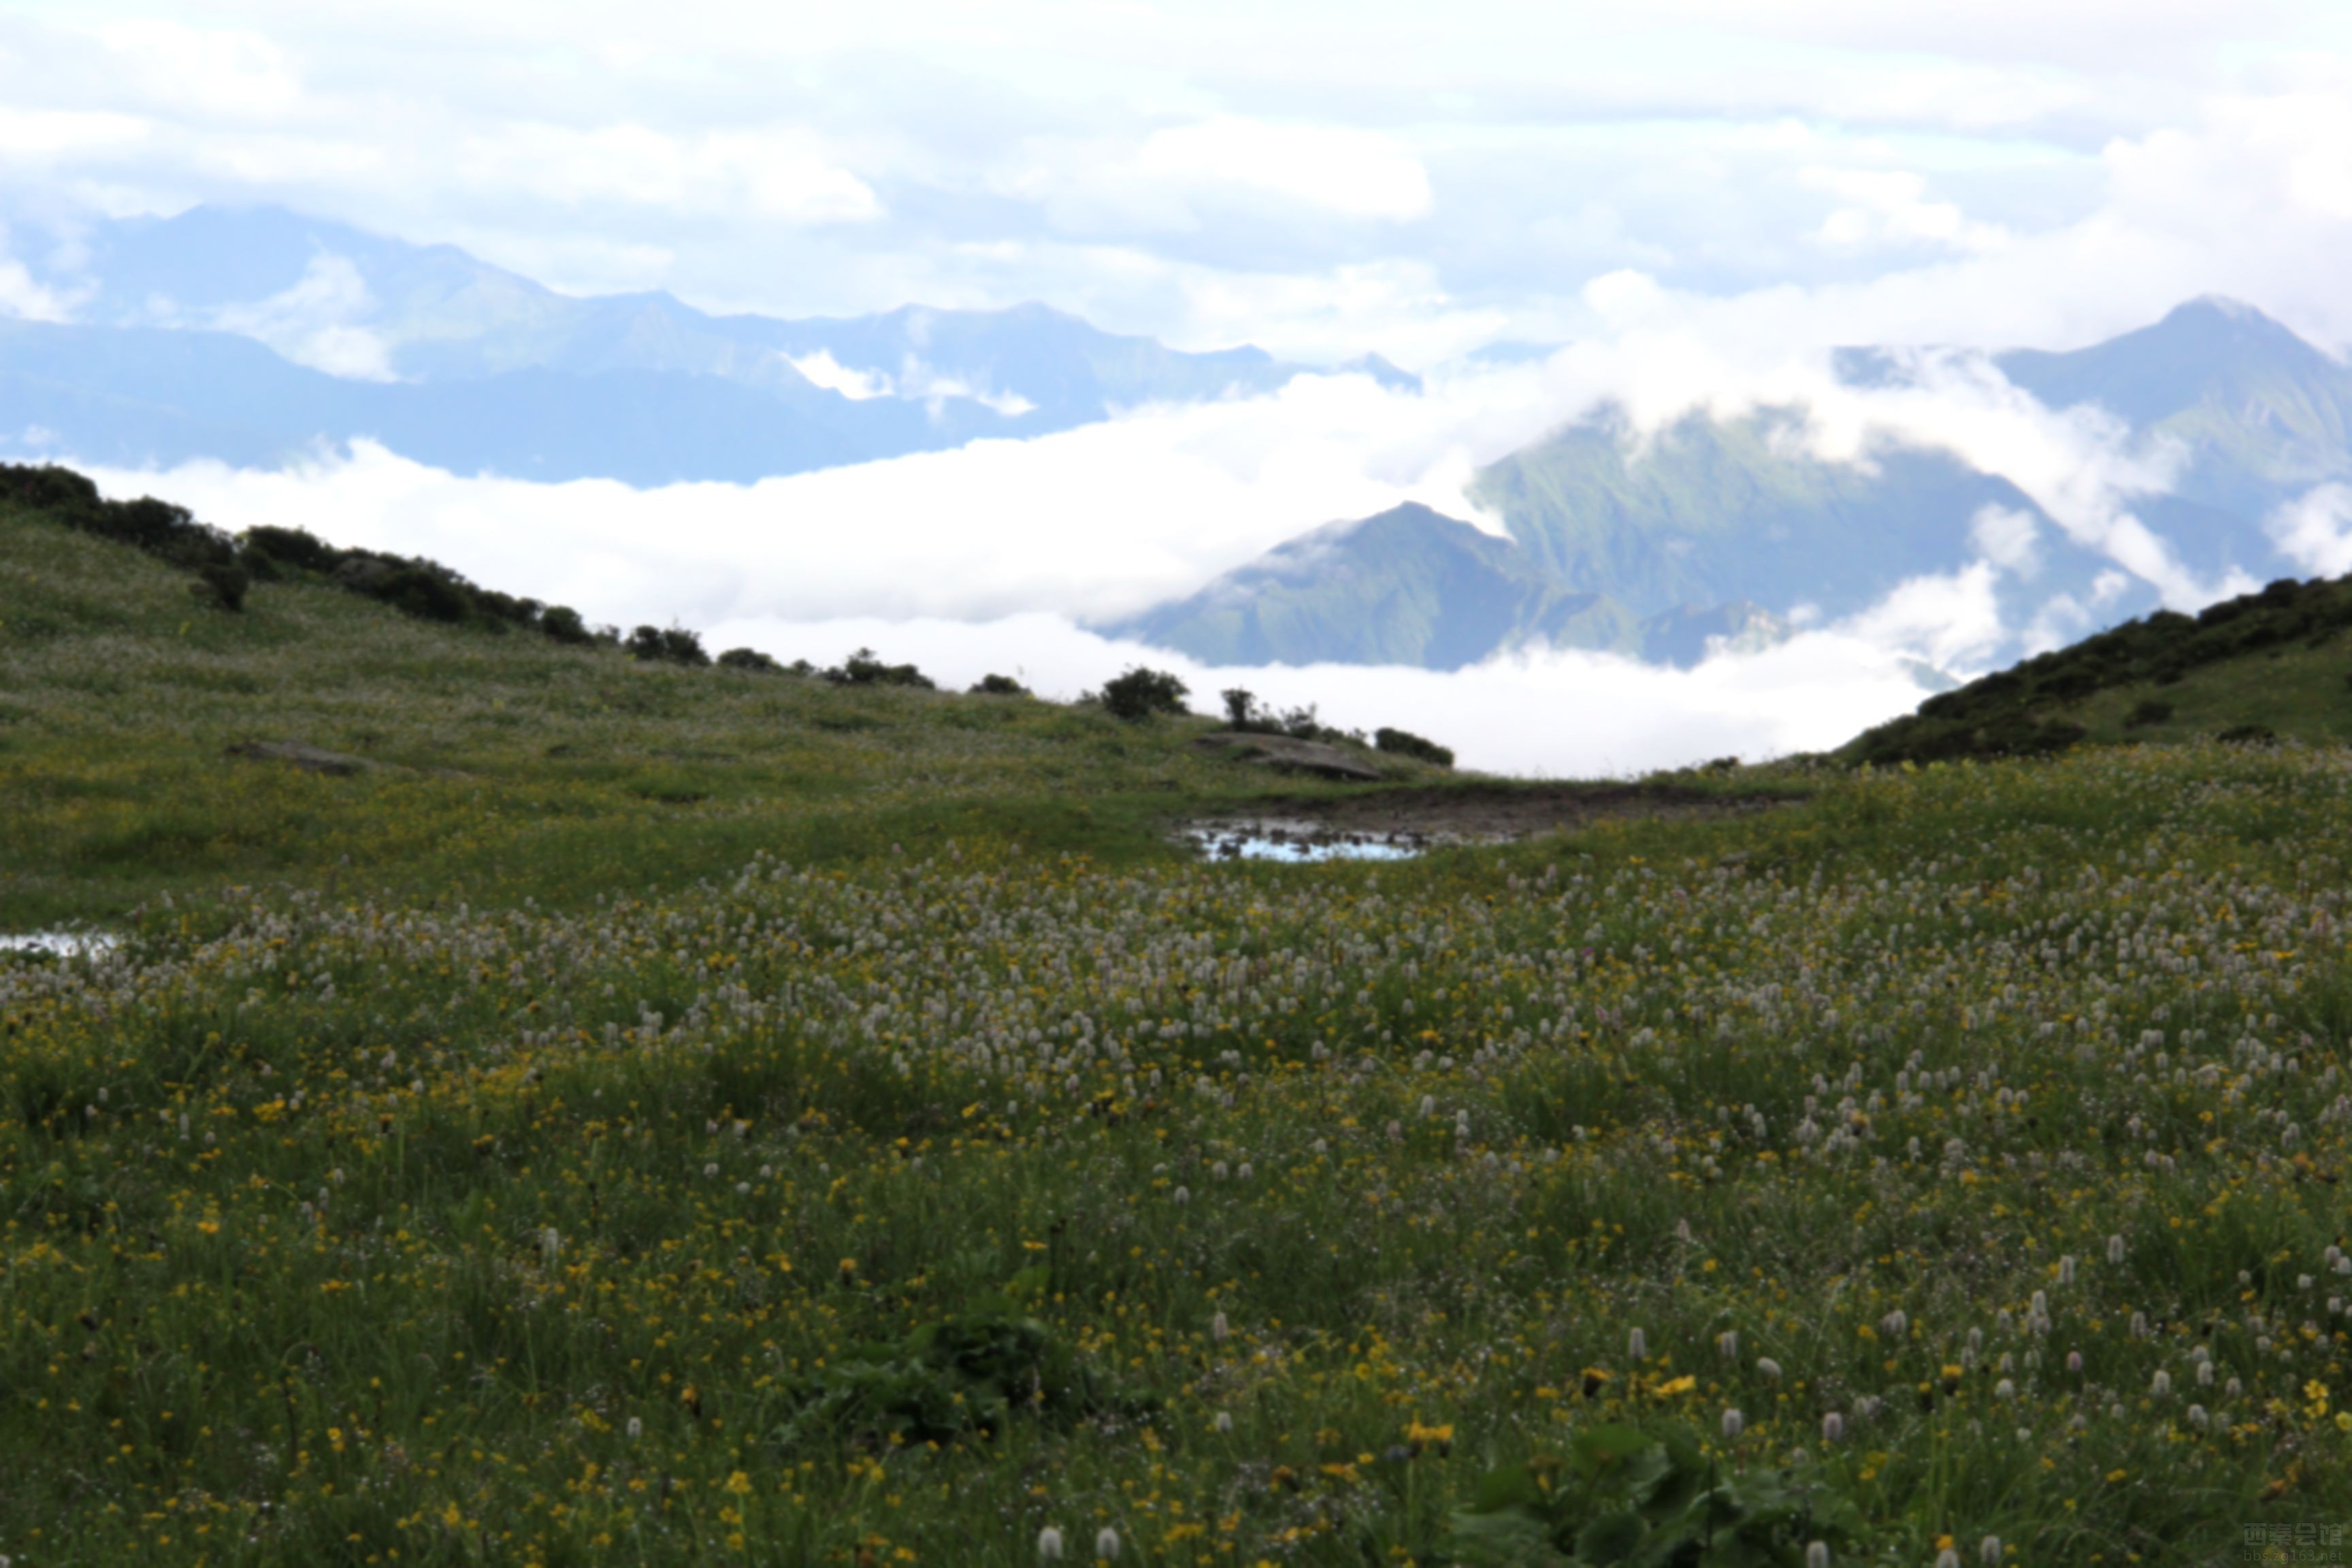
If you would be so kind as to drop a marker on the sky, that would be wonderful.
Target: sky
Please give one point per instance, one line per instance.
(1317, 177)
(1699, 198)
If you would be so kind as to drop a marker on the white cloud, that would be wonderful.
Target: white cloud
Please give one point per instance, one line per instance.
(1090, 522)
(22, 296)
(1952, 621)
(2006, 538)
(1564, 714)
(321, 321)
(920, 381)
(829, 372)
(32, 136)
(2315, 531)
(235, 74)
(1890, 206)
(1333, 169)
(771, 174)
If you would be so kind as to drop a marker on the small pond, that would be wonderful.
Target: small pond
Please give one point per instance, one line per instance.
(1297, 843)
(57, 944)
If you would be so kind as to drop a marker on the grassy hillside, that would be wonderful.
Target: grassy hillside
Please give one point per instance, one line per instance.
(699, 1125)
(510, 765)
(2269, 665)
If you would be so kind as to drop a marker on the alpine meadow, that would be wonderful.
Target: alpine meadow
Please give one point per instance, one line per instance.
(500, 1100)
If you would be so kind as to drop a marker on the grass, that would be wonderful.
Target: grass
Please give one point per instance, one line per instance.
(675, 1116)
(512, 767)
(2268, 664)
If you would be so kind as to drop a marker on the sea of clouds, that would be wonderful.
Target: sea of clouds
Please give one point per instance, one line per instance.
(998, 556)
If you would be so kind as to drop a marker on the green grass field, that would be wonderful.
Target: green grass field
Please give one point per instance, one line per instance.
(683, 1116)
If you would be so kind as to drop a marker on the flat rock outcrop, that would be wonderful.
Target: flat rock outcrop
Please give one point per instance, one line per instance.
(1292, 755)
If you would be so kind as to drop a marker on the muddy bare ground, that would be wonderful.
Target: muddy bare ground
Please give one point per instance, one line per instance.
(1415, 818)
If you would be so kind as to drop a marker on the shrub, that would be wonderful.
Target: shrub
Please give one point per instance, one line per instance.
(563, 624)
(294, 547)
(1307, 724)
(169, 533)
(223, 582)
(1405, 743)
(862, 667)
(2150, 711)
(1140, 693)
(998, 686)
(1242, 711)
(421, 591)
(673, 645)
(749, 658)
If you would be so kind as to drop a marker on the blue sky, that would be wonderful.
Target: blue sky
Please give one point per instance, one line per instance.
(1321, 178)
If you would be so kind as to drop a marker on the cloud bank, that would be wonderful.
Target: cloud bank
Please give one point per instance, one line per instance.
(994, 557)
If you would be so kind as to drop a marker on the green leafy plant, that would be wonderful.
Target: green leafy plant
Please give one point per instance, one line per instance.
(1621, 1495)
(1405, 743)
(974, 1371)
(1141, 692)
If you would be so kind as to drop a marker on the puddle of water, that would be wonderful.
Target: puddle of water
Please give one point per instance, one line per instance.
(1298, 846)
(59, 943)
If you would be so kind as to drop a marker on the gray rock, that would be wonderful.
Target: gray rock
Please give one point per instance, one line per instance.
(296, 754)
(1292, 755)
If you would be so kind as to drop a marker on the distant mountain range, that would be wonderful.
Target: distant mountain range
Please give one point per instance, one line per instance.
(257, 337)
(1713, 531)
(1415, 586)
(254, 336)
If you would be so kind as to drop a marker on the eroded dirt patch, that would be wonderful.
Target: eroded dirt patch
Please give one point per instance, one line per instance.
(1425, 818)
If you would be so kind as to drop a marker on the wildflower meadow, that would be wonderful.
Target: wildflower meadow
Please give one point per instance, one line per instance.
(652, 1114)
(1947, 1168)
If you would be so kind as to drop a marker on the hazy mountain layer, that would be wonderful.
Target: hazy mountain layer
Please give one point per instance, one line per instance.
(1657, 544)
(248, 335)
(142, 396)
(1415, 586)
(1706, 511)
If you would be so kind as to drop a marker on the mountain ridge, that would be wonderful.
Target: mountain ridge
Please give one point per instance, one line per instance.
(639, 386)
(1731, 524)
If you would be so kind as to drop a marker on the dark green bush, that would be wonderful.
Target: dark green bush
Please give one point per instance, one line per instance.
(223, 582)
(169, 533)
(563, 624)
(749, 658)
(862, 667)
(1405, 743)
(998, 686)
(675, 645)
(2150, 711)
(1140, 693)
(294, 547)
